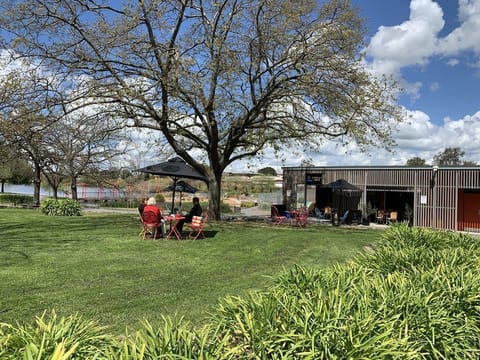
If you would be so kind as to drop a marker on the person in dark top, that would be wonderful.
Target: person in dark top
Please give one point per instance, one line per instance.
(196, 210)
(142, 205)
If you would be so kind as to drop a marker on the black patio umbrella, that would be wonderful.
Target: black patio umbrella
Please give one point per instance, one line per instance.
(346, 195)
(181, 187)
(344, 187)
(176, 168)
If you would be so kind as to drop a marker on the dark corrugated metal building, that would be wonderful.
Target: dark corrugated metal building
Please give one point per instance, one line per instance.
(440, 197)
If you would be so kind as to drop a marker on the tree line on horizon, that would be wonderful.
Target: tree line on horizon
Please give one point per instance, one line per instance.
(450, 156)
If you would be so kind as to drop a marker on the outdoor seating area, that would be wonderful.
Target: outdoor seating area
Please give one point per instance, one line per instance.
(293, 217)
(330, 216)
(152, 227)
(386, 217)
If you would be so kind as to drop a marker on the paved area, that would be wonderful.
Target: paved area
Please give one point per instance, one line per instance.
(254, 211)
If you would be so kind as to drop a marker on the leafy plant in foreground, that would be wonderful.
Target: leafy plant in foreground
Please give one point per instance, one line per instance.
(53, 337)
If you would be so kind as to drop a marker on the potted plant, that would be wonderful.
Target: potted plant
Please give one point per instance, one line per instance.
(369, 211)
(408, 213)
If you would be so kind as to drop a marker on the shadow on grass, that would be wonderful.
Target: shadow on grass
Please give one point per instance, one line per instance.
(207, 233)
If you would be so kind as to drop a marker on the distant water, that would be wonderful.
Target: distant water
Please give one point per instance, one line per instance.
(28, 190)
(83, 192)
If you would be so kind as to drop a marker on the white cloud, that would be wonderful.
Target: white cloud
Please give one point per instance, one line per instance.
(419, 137)
(435, 86)
(415, 41)
(410, 43)
(453, 62)
(466, 36)
(412, 89)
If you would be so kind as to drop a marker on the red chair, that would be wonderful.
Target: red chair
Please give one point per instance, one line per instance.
(150, 224)
(277, 218)
(302, 218)
(197, 225)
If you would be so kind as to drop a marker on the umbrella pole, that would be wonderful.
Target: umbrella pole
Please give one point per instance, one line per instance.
(173, 195)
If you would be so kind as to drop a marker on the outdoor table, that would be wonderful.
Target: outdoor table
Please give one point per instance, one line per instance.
(174, 219)
(291, 215)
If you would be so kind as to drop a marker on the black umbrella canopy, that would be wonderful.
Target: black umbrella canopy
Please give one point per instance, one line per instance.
(342, 185)
(176, 168)
(345, 195)
(182, 186)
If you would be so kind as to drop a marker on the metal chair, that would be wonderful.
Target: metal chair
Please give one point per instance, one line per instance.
(197, 225)
(343, 219)
(150, 224)
(302, 217)
(392, 217)
(319, 214)
(327, 212)
(380, 217)
(278, 219)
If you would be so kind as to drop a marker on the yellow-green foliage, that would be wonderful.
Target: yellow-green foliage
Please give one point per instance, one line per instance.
(160, 198)
(64, 207)
(53, 337)
(248, 204)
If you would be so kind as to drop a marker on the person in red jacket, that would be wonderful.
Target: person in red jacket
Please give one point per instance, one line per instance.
(152, 207)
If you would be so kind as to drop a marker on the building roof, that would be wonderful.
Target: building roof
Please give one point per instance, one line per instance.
(377, 167)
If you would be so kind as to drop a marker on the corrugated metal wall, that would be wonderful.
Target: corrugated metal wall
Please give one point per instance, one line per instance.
(436, 193)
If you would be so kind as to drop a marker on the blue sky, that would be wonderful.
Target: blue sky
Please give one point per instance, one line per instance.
(449, 80)
(432, 48)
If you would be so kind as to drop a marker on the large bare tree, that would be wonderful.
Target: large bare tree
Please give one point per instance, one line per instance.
(80, 143)
(23, 94)
(219, 79)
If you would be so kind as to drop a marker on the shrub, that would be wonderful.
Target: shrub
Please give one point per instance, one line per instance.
(51, 337)
(160, 198)
(65, 207)
(416, 296)
(16, 199)
(172, 339)
(247, 204)
(224, 208)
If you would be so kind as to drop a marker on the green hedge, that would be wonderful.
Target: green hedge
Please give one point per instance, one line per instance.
(16, 199)
(416, 295)
(64, 207)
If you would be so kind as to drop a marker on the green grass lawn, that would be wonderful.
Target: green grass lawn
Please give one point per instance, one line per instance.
(97, 265)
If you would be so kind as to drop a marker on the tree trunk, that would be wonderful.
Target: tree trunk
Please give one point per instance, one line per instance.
(55, 191)
(3, 187)
(36, 185)
(214, 191)
(73, 187)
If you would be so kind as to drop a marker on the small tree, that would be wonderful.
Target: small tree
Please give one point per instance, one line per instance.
(449, 156)
(13, 168)
(370, 210)
(267, 171)
(416, 161)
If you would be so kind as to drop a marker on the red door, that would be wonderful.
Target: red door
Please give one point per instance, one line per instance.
(471, 212)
